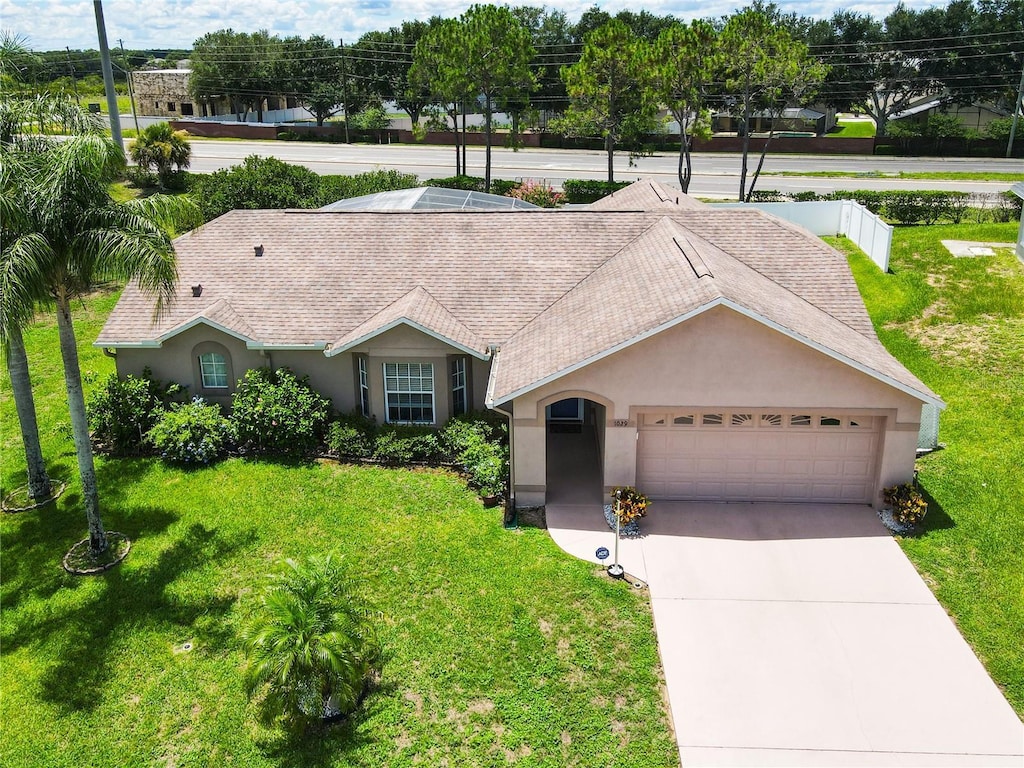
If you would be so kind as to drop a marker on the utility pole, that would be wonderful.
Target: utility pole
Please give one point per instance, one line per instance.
(344, 85)
(1016, 112)
(131, 87)
(108, 76)
(74, 77)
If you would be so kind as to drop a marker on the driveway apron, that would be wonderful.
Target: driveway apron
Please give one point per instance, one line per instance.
(800, 634)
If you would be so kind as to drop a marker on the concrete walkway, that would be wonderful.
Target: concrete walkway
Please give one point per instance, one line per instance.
(800, 635)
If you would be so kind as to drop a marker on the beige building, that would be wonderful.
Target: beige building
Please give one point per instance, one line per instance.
(711, 354)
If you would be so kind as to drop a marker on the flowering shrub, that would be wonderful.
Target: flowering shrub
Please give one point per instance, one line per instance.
(907, 503)
(192, 433)
(538, 193)
(631, 506)
(277, 412)
(122, 411)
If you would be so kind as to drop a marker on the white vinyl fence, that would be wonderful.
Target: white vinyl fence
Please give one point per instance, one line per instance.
(834, 217)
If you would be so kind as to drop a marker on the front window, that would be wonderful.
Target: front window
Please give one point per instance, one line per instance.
(459, 386)
(214, 369)
(409, 392)
(364, 388)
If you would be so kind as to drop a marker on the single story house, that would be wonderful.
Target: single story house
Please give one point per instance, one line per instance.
(711, 354)
(976, 115)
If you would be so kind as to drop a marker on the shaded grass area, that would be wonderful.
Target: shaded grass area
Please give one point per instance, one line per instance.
(499, 647)
(958, 323)
(853, 129)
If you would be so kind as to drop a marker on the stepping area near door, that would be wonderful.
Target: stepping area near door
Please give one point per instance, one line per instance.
(793, 633)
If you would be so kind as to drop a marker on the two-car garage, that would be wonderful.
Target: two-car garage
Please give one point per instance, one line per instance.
(738, 454)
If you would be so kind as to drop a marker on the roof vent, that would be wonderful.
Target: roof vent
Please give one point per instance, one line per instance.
(700, 269)
(258, 249)
(197, 290)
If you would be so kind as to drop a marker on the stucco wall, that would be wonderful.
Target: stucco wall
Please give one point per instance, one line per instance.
(334, 377)
(720, 359)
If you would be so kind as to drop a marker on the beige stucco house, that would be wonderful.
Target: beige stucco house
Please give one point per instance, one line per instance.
(711, 354)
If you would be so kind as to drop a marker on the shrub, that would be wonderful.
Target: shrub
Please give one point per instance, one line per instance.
(192, 433)
(503, 186)
(628, 503)
(276, 412)
(141, 178)
(871, 199)
(351, 436)
(334, 188)
(588, 191)
(259, 182)
(403, 443)
(808, 196)
(539, 194)
(907, 503)
(767, 196)
(287, 136)
(122, 412)
(489, 469)
(468, 183)
(311, 651)
(905, 207)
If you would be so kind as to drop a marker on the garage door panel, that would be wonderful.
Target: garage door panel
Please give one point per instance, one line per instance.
(771, 459)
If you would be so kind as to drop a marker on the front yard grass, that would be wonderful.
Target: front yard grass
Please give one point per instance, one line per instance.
(958, 323)
(499, 647)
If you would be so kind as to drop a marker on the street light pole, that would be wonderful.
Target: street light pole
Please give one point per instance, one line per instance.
(108, 76)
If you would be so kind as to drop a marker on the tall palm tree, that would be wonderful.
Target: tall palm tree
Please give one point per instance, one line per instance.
(311, 650)
(75, 235)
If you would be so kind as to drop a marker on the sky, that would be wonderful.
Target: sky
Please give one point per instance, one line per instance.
(141, 24)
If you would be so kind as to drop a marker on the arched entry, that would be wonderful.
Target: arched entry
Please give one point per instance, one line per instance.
(574, 426)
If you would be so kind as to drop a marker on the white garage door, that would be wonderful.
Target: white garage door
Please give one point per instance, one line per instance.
(748, 455)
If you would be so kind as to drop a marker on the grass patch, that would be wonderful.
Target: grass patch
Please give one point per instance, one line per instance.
(853, 129)
(498, 646)
(936, 175)
(958, 323)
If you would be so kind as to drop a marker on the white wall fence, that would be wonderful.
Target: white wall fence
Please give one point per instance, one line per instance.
(834, 217)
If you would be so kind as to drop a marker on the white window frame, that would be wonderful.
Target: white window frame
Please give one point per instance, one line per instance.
(408, 376)
(364, 386)
(459, 384)
(208, 364)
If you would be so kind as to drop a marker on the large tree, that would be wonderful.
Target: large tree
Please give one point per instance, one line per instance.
(684, 63)
(311, 72)
(382, 60)
(240, 66)
(74, 235)
(610, 88)
(765, 67)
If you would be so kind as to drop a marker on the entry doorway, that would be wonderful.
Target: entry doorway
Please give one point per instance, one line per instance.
(575, 451)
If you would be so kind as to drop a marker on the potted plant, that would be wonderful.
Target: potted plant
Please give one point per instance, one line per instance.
(629, 505)
(905, 507)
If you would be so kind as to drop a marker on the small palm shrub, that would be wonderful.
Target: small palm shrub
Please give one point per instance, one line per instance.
(192, 434)
(907, 504)
(122, 411)
(629, 503)
(311, 651)
(277, 412)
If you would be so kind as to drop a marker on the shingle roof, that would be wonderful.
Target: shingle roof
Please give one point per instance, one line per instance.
(666, 274)
(519, 280)
(645, 195)
(419, 309)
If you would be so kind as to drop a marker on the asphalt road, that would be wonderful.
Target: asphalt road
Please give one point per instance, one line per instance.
(715, 174)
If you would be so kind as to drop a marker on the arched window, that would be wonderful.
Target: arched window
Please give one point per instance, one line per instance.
(213, 367)
(212, 370)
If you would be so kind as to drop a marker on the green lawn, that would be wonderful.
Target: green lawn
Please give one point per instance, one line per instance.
(853, 129)
(995, 176)
(959, 325)
(499, 647)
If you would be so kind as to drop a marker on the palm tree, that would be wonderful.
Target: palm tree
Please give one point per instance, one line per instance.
(311, 651)
(161, 148)
(74, 235)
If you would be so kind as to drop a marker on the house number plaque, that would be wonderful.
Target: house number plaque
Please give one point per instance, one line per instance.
(620, 423)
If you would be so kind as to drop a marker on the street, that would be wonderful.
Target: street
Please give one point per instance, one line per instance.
(715, 174)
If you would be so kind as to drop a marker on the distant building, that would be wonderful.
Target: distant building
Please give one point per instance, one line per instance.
(165, 93)
(975, 116)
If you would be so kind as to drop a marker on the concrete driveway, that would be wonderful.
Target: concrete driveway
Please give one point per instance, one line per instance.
(801, 635)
